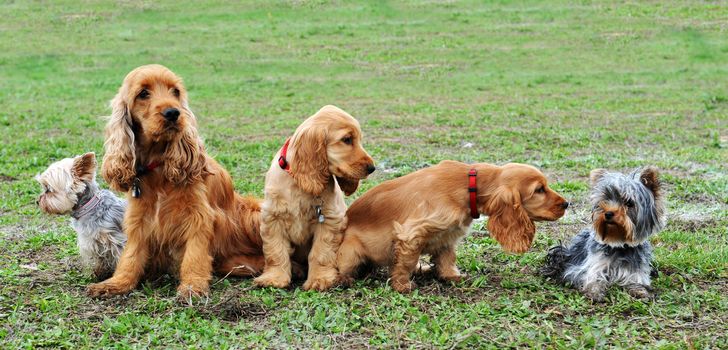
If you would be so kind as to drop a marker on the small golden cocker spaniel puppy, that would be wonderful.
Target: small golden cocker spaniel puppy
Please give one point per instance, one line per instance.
(303, 211)
(183, 215)
(430, 210)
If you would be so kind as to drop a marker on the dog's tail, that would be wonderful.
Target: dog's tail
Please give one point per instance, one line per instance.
(556, 261)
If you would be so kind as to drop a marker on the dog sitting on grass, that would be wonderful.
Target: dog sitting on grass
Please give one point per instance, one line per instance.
(69, 187)
(626, 211)
(430, 210)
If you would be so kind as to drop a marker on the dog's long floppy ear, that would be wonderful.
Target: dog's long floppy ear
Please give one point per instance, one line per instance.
(310, 161)
(84, 167)
(349, 186)
(508, 222)
(119, 157)
(184, 159)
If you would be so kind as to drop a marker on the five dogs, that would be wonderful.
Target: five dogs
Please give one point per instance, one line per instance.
(182, 216)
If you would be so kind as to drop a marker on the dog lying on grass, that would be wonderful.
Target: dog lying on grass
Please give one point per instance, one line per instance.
(626, 211)
(430, 210)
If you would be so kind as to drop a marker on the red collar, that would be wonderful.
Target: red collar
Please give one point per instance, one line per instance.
(153, 165)
(473, 190)
(141, 170)
(282, 162)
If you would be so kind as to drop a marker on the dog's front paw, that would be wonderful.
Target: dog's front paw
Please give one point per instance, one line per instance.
(454, 278)
(319, 284)
(272, 279)
(187, 294)
(423, 268)
(403, 287)
(108, 288)
(639, 291)
(344, 281)
(596, 297)
(596, 292)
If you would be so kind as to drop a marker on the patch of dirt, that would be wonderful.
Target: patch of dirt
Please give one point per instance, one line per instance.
(692, 225)
(6, 178)
(13, 233)
(232, 309)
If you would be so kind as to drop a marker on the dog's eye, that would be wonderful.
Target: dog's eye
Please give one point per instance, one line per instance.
(347, 140)
(144, 94)
(630, 203)
(175, 91)
(541, 190)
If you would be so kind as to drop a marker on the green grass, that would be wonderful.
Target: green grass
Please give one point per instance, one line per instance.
(566, 86)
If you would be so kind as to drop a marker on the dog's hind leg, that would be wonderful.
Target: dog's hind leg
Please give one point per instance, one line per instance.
(348, 259)
(447, 270)
(412, 237)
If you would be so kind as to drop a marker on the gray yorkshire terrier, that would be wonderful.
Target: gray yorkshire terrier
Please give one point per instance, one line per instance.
(626, 211)
(69, 187)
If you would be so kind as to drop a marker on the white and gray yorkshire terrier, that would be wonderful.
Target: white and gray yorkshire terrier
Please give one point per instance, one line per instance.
(626, 211)
(69, 187)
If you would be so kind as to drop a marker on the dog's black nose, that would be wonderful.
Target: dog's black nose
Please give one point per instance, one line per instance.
(371, 168)
(564, 205)
(171, 114)
(609, 215)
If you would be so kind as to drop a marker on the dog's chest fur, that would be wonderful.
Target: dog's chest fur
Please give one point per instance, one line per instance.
(297, 211)
(594, 261)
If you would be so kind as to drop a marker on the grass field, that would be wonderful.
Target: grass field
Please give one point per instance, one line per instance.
(566, 86)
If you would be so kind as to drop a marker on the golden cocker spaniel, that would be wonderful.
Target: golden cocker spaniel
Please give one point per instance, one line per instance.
(430, 210)
(303, 210)
(183, 215)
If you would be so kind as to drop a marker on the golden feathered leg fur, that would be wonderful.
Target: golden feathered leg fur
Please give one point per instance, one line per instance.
(322, 258)
(133, 261)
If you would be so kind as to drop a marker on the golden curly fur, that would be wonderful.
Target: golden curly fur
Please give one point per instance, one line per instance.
(428, 212)
(325, 156)
(187, 219)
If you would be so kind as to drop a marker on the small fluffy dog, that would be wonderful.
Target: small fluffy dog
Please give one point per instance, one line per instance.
(183, 215)
(69, 187)
(626, 211)
(430, 210)
(303, 211)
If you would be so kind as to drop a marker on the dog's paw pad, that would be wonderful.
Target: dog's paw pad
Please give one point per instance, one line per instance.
(106, 289)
